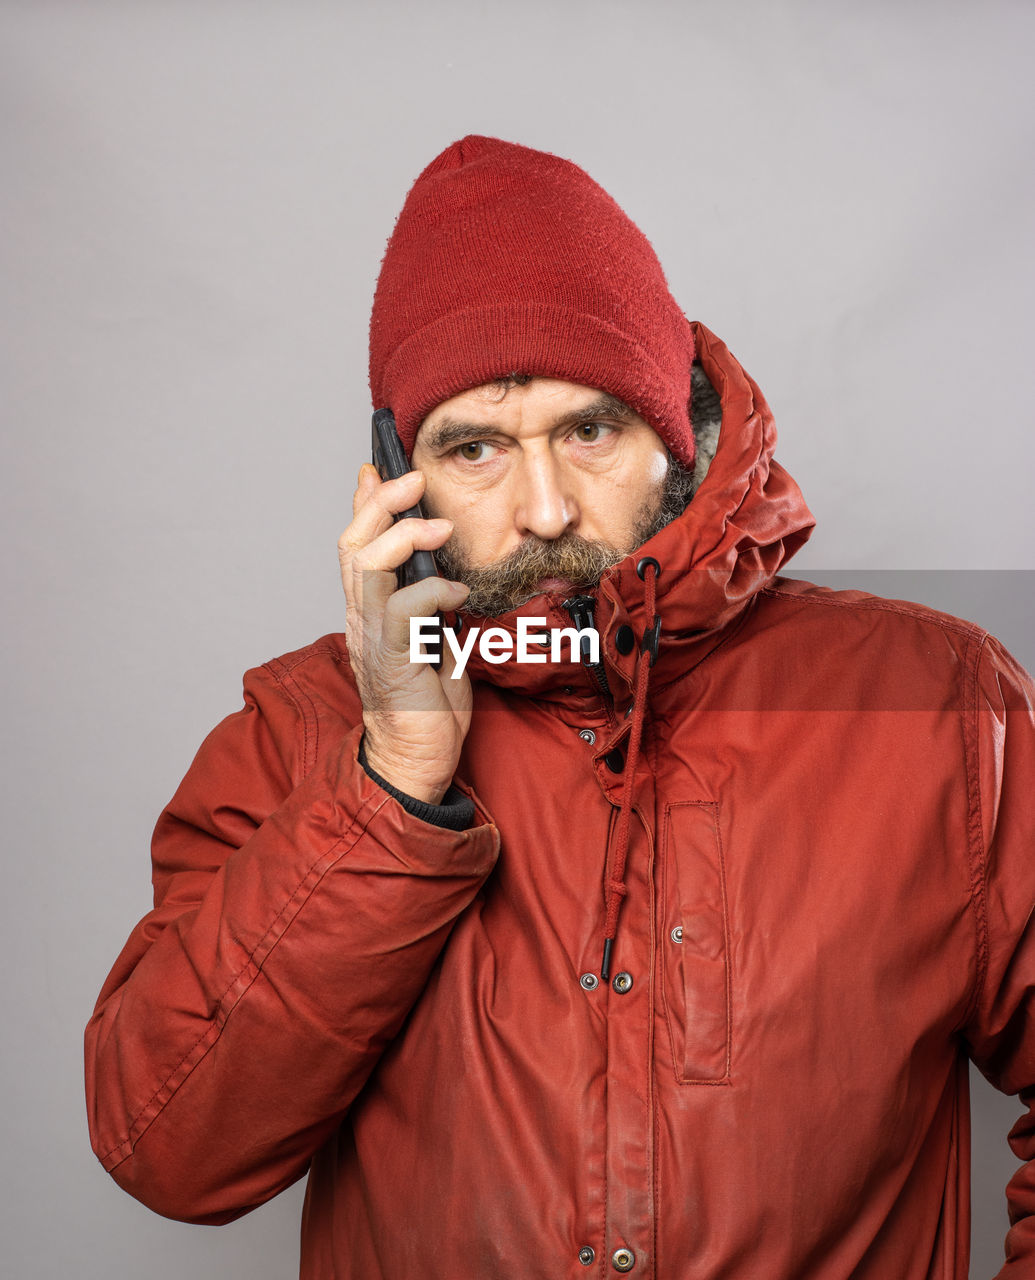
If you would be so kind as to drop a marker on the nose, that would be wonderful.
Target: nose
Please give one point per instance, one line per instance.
(546, 506)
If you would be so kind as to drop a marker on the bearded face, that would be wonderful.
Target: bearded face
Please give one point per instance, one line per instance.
(567, 562)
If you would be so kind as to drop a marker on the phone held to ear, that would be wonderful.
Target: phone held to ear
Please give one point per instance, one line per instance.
(389, 458)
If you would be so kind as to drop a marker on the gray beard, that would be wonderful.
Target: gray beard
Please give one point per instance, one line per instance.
(512, 581)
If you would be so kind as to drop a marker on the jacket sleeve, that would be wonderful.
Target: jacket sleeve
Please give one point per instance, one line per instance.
(1001, 1033)
(296, 922)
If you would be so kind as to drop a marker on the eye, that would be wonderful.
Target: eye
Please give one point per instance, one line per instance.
(474, 450)
(591, 432)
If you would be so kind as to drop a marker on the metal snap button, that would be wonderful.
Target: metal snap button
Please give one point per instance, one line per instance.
(622, 983)
(677, 933)
(586, 1255)
(623, 1259)
(589, 981)
(614, 760)
(587, 735)
(624, 639)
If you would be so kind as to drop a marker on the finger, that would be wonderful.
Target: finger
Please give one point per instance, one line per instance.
(421, 600)
(447, 666)
(456, 687)
(366, 483)
(390, 496)
(376, 502)
(368, 576)
(397, 543)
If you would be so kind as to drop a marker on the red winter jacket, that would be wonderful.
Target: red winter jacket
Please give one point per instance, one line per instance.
(823, 912)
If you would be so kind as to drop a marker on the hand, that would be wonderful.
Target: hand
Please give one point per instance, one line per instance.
(415, 717)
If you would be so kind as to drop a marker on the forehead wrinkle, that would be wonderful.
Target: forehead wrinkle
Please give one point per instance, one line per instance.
(453, 431)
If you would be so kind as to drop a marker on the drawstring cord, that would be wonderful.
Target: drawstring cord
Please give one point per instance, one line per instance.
(648, 570)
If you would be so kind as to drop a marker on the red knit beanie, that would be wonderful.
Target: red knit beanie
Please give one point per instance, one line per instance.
(508, 260)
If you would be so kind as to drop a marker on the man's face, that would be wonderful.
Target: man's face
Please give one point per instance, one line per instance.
(547, 484)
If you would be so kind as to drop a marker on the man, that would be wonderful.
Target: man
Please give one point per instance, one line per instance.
(665, 959)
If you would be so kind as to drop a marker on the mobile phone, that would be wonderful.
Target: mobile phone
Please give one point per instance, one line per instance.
(390, 460)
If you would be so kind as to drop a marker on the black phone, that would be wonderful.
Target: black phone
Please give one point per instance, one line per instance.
(389, 458)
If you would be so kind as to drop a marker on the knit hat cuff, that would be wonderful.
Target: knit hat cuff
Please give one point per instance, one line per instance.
(469, 348)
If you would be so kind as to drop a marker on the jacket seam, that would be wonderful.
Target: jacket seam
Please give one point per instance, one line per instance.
(289, 662)
(975, 827)
(283, 673)
(304, 708)
(677, 1046)
(879, 604)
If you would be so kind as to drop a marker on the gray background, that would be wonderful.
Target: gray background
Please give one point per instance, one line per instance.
(195, 200)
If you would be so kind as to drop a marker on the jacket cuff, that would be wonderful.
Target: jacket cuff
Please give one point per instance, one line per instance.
(455, 813)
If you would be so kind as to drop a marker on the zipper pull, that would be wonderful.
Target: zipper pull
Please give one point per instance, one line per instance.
(580, 610)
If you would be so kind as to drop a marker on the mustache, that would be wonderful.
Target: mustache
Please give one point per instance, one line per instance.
(514, 579)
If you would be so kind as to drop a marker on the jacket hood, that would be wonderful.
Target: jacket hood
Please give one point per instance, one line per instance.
(745, 521)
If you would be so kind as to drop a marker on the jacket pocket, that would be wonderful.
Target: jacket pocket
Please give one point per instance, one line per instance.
(695, 943)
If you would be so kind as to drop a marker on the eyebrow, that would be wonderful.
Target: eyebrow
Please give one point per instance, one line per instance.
(448, 432)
